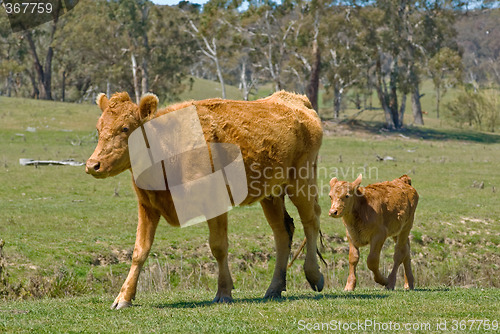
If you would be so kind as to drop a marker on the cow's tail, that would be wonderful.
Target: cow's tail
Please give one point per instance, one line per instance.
(297, 253)
(406, 179)
(290, 227)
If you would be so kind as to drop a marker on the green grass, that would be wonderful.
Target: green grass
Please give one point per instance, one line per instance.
(67, 234)
(192, 312)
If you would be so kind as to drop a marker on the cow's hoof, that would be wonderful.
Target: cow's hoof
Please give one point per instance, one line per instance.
(120, 305)
(272, 294)
(221, 300)
(318, 286)
(389, 286)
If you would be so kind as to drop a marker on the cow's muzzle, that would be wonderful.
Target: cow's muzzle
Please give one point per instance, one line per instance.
(334, 213)
(93, 168)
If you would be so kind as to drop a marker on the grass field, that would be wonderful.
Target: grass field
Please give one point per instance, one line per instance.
(67, 234)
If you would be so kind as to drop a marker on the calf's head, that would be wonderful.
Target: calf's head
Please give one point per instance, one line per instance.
(342, 194)
(120, 117)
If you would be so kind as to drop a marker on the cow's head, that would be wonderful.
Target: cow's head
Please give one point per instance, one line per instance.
(342, 195)
(120, 117)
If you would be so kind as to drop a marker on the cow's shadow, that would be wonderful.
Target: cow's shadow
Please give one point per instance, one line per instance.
(206, 303)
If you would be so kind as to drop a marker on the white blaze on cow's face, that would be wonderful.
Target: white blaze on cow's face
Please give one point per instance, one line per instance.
(342, 195)
(120, 117)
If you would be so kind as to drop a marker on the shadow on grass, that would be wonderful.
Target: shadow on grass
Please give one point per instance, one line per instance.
(417, 132)
(206, 303)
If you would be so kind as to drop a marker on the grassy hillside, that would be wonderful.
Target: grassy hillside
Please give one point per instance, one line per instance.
(68, 234)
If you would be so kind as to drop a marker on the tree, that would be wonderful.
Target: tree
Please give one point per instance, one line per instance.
(13, 54)
(445, 69)
(43, 36)
(90, 56)
(213, 33)
(345, 59)
(133, 17)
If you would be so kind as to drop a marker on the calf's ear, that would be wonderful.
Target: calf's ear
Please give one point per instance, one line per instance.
(357, 182)
(102, 101)
(333, 181)
(148, 105)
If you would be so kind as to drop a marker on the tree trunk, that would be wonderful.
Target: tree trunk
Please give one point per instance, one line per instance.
(402, 111)
(135, 77)
(313, 85)
(393, 95)
(243, 81)
(337, 102)
(438, 100)
(416, 106)
(145, 76)
(63, 86)
(9, 84)
(108, 89)
(382, 95)
(221, 78)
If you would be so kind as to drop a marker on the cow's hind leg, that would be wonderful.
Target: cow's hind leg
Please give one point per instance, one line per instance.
(146, 228)
(282, 225)
(305, 197)
(219, 245)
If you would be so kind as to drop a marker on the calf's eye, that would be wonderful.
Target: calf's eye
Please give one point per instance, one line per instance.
(125, 129)
(347, 196)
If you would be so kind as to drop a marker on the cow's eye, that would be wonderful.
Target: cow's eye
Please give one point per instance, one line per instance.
(125, 129)
(347, 196)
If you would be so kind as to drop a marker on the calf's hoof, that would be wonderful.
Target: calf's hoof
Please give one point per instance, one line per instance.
(318, 284)
(121, 305)
(222, 299)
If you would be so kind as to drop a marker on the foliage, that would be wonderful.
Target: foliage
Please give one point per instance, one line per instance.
(446, 71)
(476, 108)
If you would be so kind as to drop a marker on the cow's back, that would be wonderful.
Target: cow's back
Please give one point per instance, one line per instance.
(277, 134)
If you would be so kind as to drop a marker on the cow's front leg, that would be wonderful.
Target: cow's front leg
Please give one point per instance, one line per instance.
(146, 228)
(219, 245)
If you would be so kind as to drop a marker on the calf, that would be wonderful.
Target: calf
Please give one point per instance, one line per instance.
(371, 214)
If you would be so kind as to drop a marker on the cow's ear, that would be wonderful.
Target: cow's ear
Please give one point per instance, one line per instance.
(148, 105)
(357, 182)
(333, 181)
(102, 101)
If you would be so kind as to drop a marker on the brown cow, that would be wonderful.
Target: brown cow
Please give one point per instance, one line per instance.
(371, 214)
(278, 136)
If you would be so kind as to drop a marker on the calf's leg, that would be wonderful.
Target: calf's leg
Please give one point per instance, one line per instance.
(401, 252)
(146, 228)
(274, 210)
(373, 260)
(219, 245)
(409, 280)
(353, 262)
